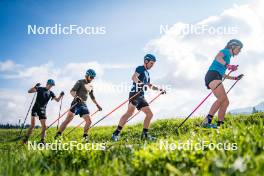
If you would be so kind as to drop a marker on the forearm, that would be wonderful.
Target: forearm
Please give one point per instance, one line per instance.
(153, 87)
(221, 60)
(32, 90)
(95, 102)
(58, 98)
(229, 77)
(135, 79)
(73, 93)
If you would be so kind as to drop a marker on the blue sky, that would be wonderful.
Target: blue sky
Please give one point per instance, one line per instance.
(130, 26)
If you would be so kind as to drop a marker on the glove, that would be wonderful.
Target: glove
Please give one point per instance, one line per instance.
(140, 84)
(239, 77)
(62, 94)
(99, 107)
(78, 99)
(231, 67)
(37, 85)
(163, 91)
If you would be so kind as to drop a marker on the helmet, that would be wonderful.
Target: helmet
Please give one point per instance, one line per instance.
(150, 57)
(51, 82)
(90, 72)
(234, 43)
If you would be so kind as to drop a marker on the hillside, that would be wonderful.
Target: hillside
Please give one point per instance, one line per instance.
(248, 110)
(236, 149)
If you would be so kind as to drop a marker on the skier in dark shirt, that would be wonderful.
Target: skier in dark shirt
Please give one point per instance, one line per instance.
(80, 92)
(141, 80)
(44, 94)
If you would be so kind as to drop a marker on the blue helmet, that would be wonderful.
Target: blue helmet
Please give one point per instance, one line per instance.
(90, 72)
(150, 57)
(51, 82)
(234, 43)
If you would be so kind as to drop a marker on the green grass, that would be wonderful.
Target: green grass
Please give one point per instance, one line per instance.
(131, 156)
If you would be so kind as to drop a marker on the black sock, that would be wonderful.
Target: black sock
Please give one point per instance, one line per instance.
(59, 133)
(85, 135)
(220, 123)
(209, 118)
(41, 140)
(118, 130)
(145, 130)
(26, 137)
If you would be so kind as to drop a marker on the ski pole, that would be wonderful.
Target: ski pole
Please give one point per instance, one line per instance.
(59, 113)
(58, 119)
(149, 103)
(233, 86)
(80, 124)
(23, 125)
(229, 90)
(203, 101)
(114, 109)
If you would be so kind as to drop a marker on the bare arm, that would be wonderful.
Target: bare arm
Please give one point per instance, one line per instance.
(229, 77)
(153, 87)
(135, 78)
(32, 90)
(73, 93)
(57, 98)
(219, 58)
(94, 100)
(75, 89)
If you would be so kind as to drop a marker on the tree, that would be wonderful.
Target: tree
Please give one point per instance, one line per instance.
(254, 110)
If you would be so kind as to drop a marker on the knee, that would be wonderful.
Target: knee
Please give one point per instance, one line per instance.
(68, 120)
(149, 115)
(88, 121)
(129, 113)
(226, 101)
(32, 126)
(43, 127)
(223, 99)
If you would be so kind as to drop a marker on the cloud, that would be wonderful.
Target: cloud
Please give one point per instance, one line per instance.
(14, 103)
(184, 60)
(187, 57)
(12, 106)
(8, 65)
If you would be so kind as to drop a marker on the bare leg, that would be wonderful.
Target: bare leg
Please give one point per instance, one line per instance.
(148, 117)
(68, 119)
(32, 126)
(129, 113)
(88, 123)
(222, 102)
(43, 128)
(130, 110)
(222, 109)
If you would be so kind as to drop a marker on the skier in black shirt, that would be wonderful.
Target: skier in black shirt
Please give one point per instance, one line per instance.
(44, 94)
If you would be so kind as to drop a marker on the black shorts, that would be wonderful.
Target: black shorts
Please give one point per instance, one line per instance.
(210, 76)
(80, 109)
(139, 100)
(39, 111)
